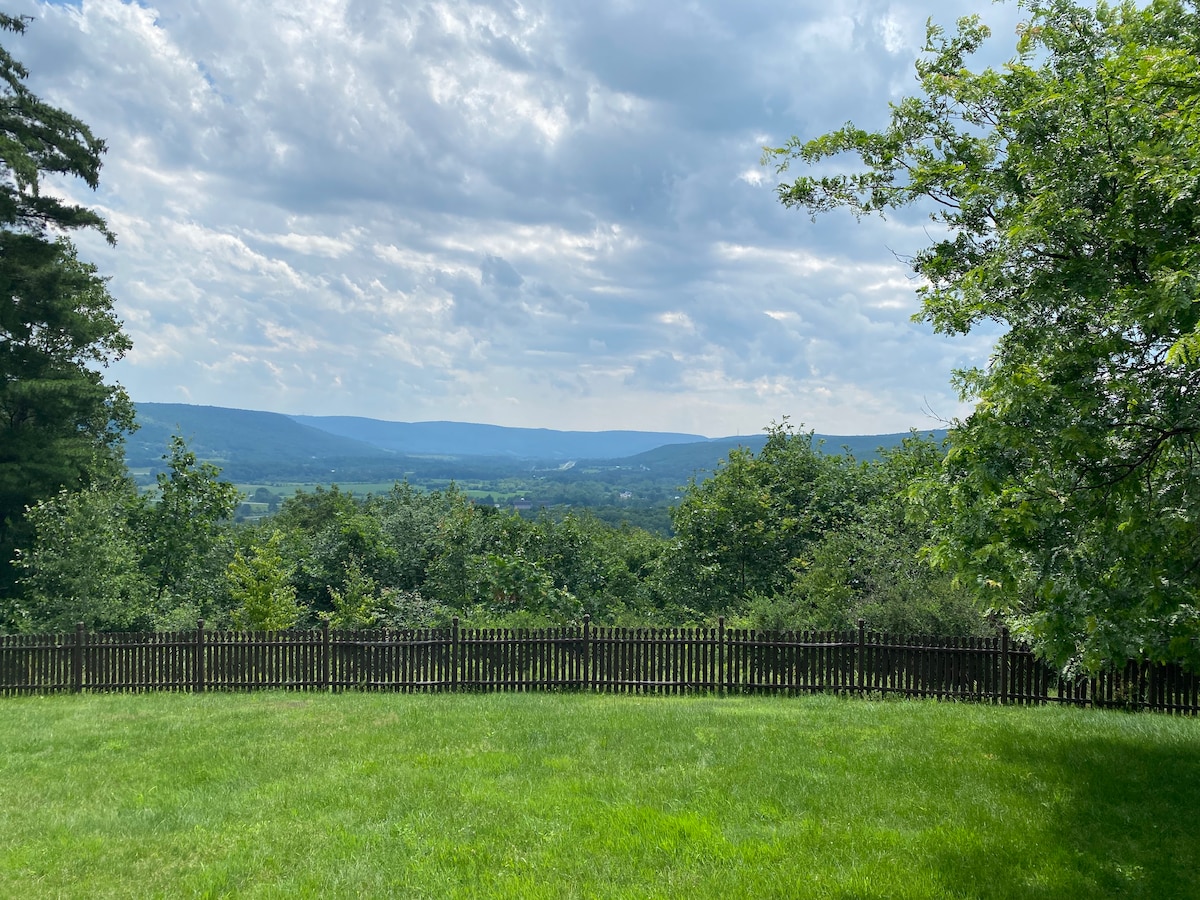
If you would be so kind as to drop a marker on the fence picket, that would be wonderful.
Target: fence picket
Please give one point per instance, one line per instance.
(587, 657)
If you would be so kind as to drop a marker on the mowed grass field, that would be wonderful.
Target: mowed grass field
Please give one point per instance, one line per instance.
(503, 795)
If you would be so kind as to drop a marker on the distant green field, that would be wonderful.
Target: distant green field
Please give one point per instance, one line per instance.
(288, 488)
(506, 795)
(283, 490)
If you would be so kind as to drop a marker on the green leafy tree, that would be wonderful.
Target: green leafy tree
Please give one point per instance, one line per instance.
(386, 539)
(521, 590)
(84, 565)
(466, 536)
(872, 567)
(120, 560)
(725, 530)
(410, 609)
(610, 570)
(181, 527)
(60, 424)
(357, 602)
(305, 519)
(409, 522)
(737, 533)
(1065, 188)
(261, 587)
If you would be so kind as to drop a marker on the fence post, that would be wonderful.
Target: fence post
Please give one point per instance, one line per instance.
(77, 660)
(454, 653)
(1004, 665)
(859, 667)
(199, 667)
(585, 672)
(326, 662)
(722, 675)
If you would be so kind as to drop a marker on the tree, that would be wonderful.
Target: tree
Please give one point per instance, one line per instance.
(119, 560)
(610, 570)
(521, 590)
(725, 537)
(60, 424)
(84, 565)
(1066, 188)
(261, 588)
(870, 567)
(180, 528)
(36, 140)
(357, 603)
(738, 532)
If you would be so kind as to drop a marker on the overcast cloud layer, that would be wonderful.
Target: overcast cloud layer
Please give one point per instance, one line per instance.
(543, 214)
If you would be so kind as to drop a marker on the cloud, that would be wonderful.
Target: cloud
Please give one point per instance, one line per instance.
(541, 214)
(495, 271)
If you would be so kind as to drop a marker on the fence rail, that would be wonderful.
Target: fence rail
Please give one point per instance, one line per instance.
(583, 658)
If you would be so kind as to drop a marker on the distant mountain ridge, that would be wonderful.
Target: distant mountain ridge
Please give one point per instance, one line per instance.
(219, 434)
(247, 440)
(466, 439)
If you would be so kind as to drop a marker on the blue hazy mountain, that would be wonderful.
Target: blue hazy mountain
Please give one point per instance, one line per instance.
(703, 456)
(221, 435)
(252, 445)
(464, 439)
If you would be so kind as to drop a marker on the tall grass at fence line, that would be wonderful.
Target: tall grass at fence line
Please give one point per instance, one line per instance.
(539, 795)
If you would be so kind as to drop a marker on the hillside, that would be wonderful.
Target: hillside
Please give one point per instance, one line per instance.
(253, 446)
(699, 457)
(465, 439)
(230, 436)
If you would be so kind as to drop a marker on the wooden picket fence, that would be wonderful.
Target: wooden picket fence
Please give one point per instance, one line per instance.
(579, 658)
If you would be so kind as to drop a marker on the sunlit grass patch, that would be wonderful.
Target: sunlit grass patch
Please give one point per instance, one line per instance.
(591, 796)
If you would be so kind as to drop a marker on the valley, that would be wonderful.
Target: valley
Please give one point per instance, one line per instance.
(621, 477)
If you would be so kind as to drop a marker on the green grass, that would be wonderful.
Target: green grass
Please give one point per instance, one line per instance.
(277, 795)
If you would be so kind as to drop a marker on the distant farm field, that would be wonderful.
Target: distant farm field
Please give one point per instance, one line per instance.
(509, 795)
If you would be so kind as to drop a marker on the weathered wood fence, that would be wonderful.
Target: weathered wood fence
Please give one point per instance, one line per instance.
(583, 658)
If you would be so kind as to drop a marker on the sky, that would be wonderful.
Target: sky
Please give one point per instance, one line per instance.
(538, 214)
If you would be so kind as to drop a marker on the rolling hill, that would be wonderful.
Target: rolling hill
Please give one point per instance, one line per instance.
(229, 436)
(258, 446)
(465, 439)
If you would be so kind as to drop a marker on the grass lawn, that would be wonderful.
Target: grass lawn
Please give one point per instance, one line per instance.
(502, 795)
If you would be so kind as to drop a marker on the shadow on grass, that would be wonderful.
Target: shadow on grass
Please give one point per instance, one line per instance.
(1107, 815)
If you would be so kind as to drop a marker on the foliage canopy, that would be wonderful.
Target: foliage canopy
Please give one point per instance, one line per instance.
(37, 140)
(1067, 189)
(60, 424)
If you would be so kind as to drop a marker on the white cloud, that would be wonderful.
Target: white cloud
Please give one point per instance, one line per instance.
(541, 214)
(307, 244)
(753, 176)
(679, 319)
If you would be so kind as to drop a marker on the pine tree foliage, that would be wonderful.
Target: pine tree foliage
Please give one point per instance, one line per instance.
(60, 424)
